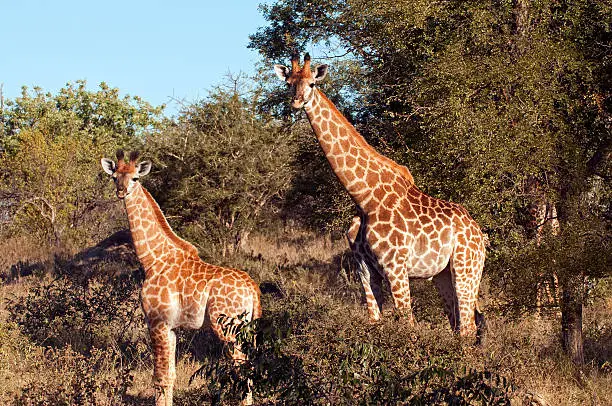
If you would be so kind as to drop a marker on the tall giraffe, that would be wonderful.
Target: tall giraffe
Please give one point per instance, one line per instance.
(179, 290)
(399, 232)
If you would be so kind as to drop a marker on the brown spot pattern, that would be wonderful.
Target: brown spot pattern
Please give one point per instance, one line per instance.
(400, 232)
(180, 290)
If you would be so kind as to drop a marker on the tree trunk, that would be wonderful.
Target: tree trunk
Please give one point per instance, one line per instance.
(571, 325)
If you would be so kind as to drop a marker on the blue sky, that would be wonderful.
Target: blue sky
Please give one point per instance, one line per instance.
(158, 50)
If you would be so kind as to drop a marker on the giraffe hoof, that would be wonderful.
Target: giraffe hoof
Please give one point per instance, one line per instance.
(373, 321)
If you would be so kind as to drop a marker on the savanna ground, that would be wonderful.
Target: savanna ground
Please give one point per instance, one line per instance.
(72, 332)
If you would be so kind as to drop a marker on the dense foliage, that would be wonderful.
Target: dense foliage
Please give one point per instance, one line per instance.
(50, 150)
(219, 167)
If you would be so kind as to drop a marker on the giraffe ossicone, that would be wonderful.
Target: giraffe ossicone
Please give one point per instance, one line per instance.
(179, 290)
(399, 232)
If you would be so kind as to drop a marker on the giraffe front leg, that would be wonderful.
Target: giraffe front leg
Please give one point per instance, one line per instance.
(163, 341)
(400, 290)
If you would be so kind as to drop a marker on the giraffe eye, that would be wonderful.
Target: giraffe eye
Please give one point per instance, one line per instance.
(135, 179)
(312, 84)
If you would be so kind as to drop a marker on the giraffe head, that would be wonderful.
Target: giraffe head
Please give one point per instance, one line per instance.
(125, 174)
(301, 81)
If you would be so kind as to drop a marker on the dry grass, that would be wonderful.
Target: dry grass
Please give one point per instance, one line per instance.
(20, 252)
(308, 267)
(528, 352)
(296, 248)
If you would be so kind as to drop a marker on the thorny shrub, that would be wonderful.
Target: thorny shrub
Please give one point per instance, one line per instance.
(102, 311)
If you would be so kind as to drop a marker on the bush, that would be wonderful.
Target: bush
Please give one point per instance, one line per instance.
(348, 363)
(220, 165)
(100, 312)
(50, 150)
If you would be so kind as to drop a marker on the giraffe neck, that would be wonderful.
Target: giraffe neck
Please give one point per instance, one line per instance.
(151, 232)
(356, 163)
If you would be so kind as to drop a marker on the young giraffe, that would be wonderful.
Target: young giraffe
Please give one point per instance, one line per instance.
(179, 290)
(400, 232)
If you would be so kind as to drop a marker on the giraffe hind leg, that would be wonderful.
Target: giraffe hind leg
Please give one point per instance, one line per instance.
(239, 358)
(224, 331)
(466, 280)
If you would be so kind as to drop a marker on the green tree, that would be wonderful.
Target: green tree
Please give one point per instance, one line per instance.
(476, 98)
(221, 165)
(50, 148)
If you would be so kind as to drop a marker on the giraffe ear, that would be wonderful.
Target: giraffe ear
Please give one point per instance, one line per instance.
(282, 72)
(108, 165)
(321, 72)
(143, 168)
